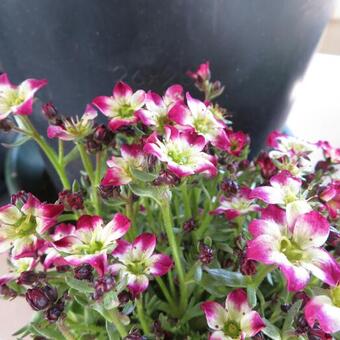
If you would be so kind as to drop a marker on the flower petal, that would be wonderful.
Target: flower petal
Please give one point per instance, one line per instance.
(265, 227)
(137, 100)
(321, 310)
(88, 222)
(160, 264)
(266, 249)
(251, 324)
(9, 214)
(215, 314)
(55, 131)
(180, 114)
(237, 304)
(103, 104)
(295, 209)
(122, 249)
(137, 284)
(311, 230)
(122, 90)
(119, 226)
(268, 194)
(144, 245)
(297, 277)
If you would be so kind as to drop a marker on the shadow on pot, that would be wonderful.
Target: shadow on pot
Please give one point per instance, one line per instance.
(25, 169)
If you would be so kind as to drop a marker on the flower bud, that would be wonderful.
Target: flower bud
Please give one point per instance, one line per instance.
(166, 178)
(301, 325)
(258, 336)
(71, 200)
(189, 225)
(7, 292)
(206, 254)
(247, 267)
(103, 135)
(51, 293)
(286, 307)
(84, 272)
(49, 111)
(109, 191)
(266, 165)
(93, 146)
(27, 278)
(134, 335)
(229, 187)
(6, 125)
(20, 197)
(301, 296)
(37, 299)
(124, 297)
(54, 313)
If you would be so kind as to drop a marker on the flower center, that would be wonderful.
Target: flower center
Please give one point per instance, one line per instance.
(137, 267)
(25, 227)
(291, 250)
(232, 329)
(11, 97)
(335, 295)
(202, 125)
(78, 127)
(179, 157)
(126, 111)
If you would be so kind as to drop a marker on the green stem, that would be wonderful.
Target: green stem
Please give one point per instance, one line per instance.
(176, 253)
(60, 151)
(117, 323)
(165, 291)
(47, 149)
(261, 274)
(89, 170)
(186, 201)
(65, 331)
(141, 316)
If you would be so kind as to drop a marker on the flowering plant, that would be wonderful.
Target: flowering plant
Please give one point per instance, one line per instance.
(170, 232)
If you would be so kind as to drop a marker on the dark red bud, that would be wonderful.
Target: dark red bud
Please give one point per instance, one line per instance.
(84, 272)
(301, 296)
(189, 225)
(166, 178)
(109, 191)
(37, 299)
(6, 125)
(206, 254)
(28, 278)
(229, 187)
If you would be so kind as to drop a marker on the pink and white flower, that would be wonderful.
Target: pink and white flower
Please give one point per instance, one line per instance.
(182, 151)
(157, 108)
(236, 205)
(324, 310)
(331, 196)
(234, 321)
(18, 99)
(74, 128)
(17, 267)
(236, 142)
(22, 227)
(284, 189)
(296, 247)
(330, 152)
(198, 118)
(202, 73)
(137, 261)
(122, 106)
(90, 241)
(119, 171)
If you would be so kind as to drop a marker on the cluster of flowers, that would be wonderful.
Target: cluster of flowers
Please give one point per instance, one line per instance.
(169, 172)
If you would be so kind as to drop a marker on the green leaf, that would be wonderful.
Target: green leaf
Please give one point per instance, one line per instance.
(159, 194)
(49, 332)
(228, 278)
(19, 141)
(110, 300)
(198, 273)
(80, 286)
(252, 300)
(111, 331)
(142, 175)
(271, 331)
(290, 316)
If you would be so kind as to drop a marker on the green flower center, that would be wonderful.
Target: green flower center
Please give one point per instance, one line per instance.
(292, 251)
(179, 157)
(203, 125)
(13, 98)
(232, 329)
(137, 267)
(91, 248)
(335, 296)
(126, 111)
(78, 127)
(25, 227)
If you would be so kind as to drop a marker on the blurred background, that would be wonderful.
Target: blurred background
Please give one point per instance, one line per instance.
(280, 69)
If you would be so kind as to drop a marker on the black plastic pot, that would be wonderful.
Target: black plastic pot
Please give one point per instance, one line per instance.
(257, 48)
